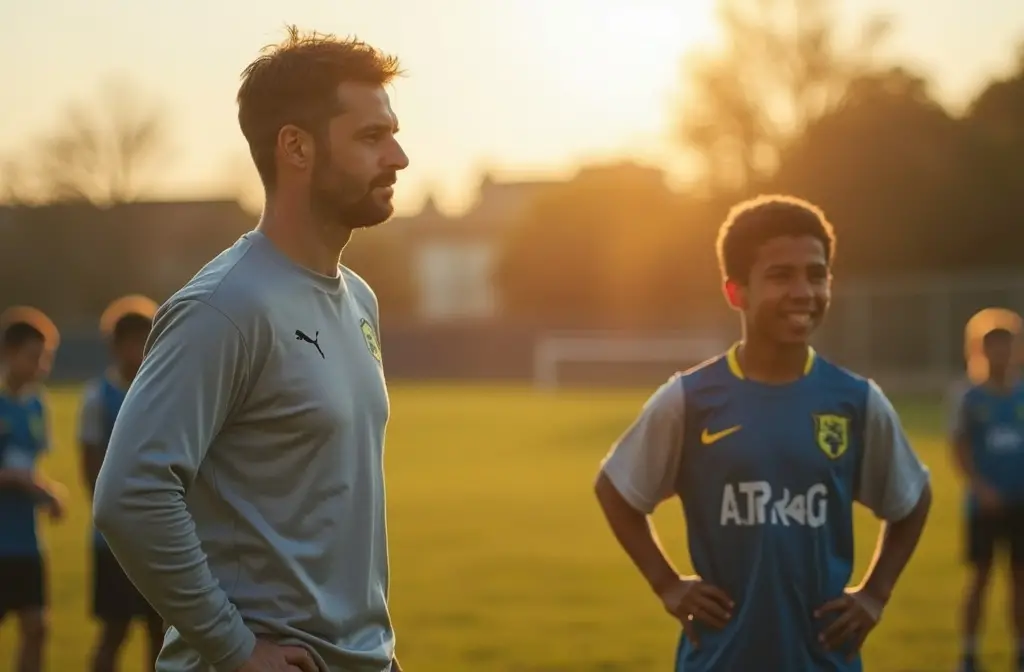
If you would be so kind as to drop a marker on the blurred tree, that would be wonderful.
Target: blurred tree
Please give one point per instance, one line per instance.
(998, 111)
(996, 118)
(582, 256)
(903, 180)
(783, 66)
(104, 152)
(15, 183)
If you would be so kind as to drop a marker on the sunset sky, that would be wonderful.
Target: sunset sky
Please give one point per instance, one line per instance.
(522, 87)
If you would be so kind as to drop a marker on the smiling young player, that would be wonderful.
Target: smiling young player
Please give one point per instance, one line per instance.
(768, 446)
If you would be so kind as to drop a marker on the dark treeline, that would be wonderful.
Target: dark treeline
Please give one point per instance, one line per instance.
(911, 187)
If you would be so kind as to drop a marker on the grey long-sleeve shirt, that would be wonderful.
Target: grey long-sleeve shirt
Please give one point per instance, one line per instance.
(243, 486)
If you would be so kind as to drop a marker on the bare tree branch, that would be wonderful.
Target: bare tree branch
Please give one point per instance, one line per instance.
(105, 152)
(782, 67)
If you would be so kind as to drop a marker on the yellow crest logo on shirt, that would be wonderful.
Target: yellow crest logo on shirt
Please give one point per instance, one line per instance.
(832, 433)
(371, 339)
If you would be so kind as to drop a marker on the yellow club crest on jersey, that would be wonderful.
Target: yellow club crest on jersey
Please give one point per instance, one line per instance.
(832, 433)
(370, 336)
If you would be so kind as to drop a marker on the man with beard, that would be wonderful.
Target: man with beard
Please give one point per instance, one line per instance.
(243, 487)
(768, 446)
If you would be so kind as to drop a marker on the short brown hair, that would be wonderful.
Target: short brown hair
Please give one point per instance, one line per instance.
(752, 223)
(295, 82)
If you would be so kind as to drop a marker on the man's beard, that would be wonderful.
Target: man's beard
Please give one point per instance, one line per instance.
(343, 200)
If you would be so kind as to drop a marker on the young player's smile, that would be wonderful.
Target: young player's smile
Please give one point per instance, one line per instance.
(801, 322)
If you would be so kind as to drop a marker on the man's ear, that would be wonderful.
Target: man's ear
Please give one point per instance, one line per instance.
(295, 147)
(735, 294)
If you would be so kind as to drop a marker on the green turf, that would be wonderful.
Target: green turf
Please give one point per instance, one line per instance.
(500, 560)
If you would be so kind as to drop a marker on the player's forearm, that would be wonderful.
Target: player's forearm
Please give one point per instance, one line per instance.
(16, 479)
(635, 534)
(897, 543)
(139, 508)
(24, 481)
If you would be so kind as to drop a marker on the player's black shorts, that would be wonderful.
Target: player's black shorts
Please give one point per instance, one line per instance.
(22, 584)
(986, 531)
(115, 599)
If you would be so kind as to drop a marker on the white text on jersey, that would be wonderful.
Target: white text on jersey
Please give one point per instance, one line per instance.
(750, 503)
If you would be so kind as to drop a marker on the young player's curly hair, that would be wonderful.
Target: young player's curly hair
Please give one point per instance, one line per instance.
(296, 82)
(752, 223)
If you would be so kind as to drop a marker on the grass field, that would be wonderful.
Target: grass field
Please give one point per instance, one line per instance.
(500, 560)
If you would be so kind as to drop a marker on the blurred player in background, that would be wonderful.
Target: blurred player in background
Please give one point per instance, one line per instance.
(116, 602)
(988, 444)
(29, 342)
(243, 488)
(768, 446)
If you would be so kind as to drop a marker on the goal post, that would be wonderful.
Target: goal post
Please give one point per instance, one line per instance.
(553, 352)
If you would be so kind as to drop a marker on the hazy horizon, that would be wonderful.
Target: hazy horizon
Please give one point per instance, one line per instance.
(528, 89)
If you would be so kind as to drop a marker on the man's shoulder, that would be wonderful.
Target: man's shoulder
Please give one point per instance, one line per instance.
(359, 287)
(710, 372)
(233, 283)
(837, 374)
(843, 385)
(218, 280)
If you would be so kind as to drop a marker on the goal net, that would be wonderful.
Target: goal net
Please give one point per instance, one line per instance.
(598, 359)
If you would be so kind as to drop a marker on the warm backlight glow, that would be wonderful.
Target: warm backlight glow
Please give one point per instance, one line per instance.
(620, 60)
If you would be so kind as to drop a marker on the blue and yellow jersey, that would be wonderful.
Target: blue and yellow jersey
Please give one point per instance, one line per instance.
(992, 423)
(767, 476)
(102, 402)
(23, 439)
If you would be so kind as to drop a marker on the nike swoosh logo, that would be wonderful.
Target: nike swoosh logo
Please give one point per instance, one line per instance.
(707, 438)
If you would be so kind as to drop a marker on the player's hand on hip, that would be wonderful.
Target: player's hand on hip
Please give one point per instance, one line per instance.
(692, 600)
(269, 657)
(856, 614)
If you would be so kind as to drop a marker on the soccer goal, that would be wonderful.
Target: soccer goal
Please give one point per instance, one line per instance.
(562, 359)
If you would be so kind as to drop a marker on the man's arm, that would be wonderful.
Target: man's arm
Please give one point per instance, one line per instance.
(194, 376)
(637, 475)
(895, 486)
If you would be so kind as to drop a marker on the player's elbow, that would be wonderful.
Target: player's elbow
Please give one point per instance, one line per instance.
(611, 501)
(604, 490)
(924, 502)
